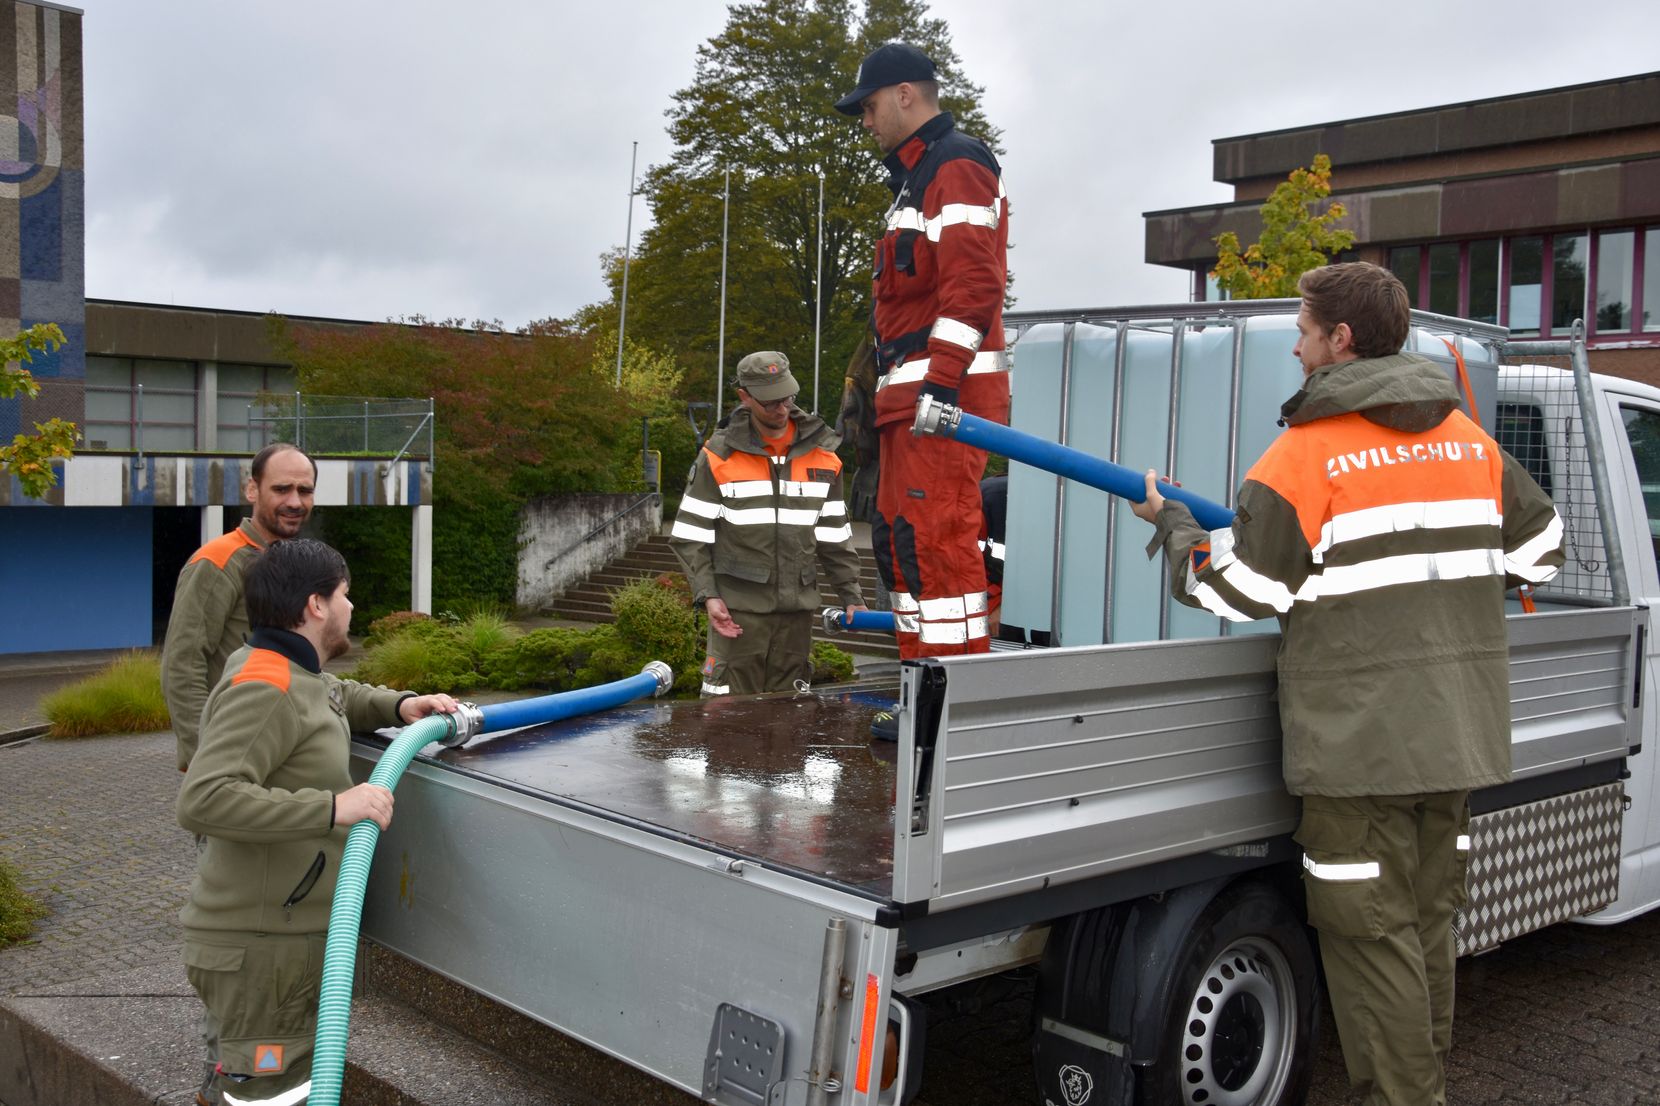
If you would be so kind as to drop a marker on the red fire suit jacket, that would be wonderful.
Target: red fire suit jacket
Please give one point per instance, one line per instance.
(940, 275)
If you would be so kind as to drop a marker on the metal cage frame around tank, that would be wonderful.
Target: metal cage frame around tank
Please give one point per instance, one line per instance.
(1177, 320)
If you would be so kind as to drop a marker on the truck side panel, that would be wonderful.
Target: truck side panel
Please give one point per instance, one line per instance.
(1052, 766)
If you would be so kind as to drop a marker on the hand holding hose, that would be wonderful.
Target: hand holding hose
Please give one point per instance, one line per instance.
(417, 707)
(367, 802)
(1150, 507)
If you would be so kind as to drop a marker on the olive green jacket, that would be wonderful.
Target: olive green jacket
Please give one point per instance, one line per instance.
(753, 529)
(1382, 528)
(209, 622)
(274, 752)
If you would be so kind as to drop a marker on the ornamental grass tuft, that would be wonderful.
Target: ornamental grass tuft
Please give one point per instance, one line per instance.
(18, 910)
(123, 698)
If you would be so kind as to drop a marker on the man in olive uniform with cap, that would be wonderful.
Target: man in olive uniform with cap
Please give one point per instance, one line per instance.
(763, 506)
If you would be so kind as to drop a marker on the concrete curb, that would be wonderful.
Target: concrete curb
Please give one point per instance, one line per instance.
(11, 737)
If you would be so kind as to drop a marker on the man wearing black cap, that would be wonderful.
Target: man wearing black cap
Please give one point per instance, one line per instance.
(940, 276)
(763, 507)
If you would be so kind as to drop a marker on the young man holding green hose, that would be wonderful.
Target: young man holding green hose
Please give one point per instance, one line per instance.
(271, 791)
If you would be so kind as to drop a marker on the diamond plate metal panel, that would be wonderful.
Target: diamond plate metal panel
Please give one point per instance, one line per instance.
(1540, 863)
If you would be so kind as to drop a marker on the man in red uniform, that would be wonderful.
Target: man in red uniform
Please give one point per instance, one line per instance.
(940, 275)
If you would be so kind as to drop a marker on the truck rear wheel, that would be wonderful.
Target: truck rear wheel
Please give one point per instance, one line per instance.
(1242, 1014)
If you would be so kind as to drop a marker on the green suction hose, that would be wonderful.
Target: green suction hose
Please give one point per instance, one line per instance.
(334, 1006)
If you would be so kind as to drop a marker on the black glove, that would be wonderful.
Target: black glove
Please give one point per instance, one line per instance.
(939, 391)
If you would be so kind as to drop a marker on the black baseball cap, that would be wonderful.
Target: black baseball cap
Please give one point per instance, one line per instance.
(889, 64)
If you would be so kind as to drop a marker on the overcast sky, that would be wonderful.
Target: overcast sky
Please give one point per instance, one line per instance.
(367, 159)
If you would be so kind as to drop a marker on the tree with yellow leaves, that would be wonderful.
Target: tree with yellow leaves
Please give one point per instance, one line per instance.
(1295, 238)
(29, 457)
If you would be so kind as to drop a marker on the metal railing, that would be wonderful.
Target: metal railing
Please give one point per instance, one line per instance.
(344, 424)
(600, 528)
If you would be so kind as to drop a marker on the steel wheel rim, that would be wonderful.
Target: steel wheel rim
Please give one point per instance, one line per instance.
(1239, 1038)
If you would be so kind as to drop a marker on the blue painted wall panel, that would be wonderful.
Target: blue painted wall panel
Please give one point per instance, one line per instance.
(75, 578)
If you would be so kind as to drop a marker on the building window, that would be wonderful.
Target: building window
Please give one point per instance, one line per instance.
(1614, 278)
(1650, 303)
(1569, 254)
(240, 387)
(1527, 287)
(1484, 281)
(1443, 278)
(1404, 262)
(136, 403)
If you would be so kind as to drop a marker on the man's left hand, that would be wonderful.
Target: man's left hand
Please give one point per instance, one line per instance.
(1150, 507)
(413, 710)
(940, 392)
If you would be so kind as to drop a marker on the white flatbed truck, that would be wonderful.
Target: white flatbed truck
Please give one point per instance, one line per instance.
(743, 897)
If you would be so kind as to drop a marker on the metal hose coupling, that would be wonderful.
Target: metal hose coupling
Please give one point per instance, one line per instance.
(935, 417)
(464, 725)
(834, 620)
(662, 673)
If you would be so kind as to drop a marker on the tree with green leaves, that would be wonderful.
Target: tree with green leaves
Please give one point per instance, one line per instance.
(760, 105)
(1296, 237)
(29, 457)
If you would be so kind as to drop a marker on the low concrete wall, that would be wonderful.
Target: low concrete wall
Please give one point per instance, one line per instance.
(558, 549)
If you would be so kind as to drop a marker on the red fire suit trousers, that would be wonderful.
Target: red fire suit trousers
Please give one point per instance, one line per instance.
(927, 542)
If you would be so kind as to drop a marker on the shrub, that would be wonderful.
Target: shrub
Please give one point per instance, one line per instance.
(657, 622)
(542, 658)
(831, 664)
(420, 660)
(388, 626)
(18, 911)
(123, 698)
(484, 634)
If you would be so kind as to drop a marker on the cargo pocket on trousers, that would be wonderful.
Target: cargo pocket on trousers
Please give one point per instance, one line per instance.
(216, 973)
(1342, 878)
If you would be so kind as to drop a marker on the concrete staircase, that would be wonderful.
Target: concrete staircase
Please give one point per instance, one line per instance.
(590, 601)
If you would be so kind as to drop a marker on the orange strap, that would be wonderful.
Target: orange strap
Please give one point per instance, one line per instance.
(1464, 380)
(1525, 591)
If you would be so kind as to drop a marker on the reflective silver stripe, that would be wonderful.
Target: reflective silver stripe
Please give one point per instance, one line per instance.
(716, 689)
(684, 529)
(1463, 844)
(817, 489)
(286, 1098)
(944, 633)
(950, 609)
(1342, 873)
(985, 216)
(767, 516)
(995, 548)
(958, 334)
(986, 361)
(833, 508)
(840, 533)
(700, 507)
(906, 623)
(1525, 561)
(979, 627)
(1395, 517)
(1250, 583)
(1211, 599)
(1405, 568)
(746, 489)
(976, 603)
(903, 601)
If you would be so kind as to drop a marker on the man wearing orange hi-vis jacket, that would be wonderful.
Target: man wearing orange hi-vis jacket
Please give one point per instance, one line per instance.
(941, 273)
(1382, 529)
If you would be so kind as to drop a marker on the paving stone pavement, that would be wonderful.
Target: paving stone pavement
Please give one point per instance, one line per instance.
(1567, 1017)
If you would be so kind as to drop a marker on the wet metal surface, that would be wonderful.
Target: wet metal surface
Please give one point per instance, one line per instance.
(794, 780)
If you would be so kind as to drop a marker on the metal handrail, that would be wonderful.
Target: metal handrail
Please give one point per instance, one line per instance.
(609, 522)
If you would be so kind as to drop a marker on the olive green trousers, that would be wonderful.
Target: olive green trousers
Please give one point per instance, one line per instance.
(262, 990)
(773, 652)
(1385, 878)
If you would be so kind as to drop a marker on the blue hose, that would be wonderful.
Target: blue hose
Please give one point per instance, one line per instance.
(334, 1004)
(1120, 480)
(868, 620)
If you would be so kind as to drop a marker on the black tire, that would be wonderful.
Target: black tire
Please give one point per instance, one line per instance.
(1240, 1028)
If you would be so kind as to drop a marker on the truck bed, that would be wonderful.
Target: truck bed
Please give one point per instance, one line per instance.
(790, 781)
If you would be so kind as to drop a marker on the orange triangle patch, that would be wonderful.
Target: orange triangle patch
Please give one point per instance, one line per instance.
(267, 1059)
